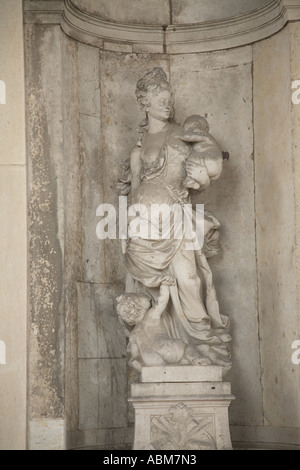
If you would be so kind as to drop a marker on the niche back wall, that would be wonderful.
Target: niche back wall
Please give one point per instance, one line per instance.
(81, 121)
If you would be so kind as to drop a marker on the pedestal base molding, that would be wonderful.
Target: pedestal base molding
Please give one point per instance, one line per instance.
(181, 415)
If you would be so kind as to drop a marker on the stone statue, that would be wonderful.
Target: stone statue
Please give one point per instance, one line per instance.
(150, 345)
(169, 288)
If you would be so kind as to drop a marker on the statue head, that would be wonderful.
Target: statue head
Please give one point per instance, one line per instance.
(132, 307)
(196, 123)
(151, 85)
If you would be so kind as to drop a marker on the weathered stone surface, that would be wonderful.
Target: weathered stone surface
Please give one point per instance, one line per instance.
(182, 390)
(203, 84)
(265, 437)
(45, 199)
(278, 271)
(186, 26)
(93, 255)
(294, 30)
(102, 381)
(181, 374)
(137, 12)
(47, 434)
(89, 80)
(164, 12)
(193, 11)
(106, 439)
(72, 223)
(100, 334)
(93, 252)
(102, 393)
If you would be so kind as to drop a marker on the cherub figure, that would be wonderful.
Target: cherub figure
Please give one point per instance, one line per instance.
(149, 343)
(205, 161)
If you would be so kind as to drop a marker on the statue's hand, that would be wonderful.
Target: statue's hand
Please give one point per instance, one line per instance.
(164, 294)
(168, 281)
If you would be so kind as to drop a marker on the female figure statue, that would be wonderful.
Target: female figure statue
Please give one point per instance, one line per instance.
(161, 172)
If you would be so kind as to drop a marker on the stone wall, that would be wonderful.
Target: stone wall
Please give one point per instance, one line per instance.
(277, 133)
(46, 200)
(81, 119)
(13, 231)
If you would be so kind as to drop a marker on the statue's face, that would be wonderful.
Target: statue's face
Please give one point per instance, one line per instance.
(161, 105)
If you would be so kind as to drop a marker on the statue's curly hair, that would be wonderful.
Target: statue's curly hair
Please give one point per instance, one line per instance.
(152, 82)
(130, 305)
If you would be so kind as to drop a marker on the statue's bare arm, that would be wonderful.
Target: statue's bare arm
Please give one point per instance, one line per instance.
(159, 306)
(135, 167)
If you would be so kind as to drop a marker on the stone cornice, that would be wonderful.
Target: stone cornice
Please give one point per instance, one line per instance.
(173, 39)
(93, 30)
(224, 34)
(289, 9)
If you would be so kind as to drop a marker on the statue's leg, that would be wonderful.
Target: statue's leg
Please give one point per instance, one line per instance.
(183, 268)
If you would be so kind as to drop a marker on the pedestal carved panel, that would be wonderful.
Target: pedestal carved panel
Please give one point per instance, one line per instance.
(182, 428)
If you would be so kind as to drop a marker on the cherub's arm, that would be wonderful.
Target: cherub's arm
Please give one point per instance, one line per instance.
(158, 308)
(194, 136)
(135, 167)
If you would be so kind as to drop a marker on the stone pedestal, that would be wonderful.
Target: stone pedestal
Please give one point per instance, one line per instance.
(181, 408)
